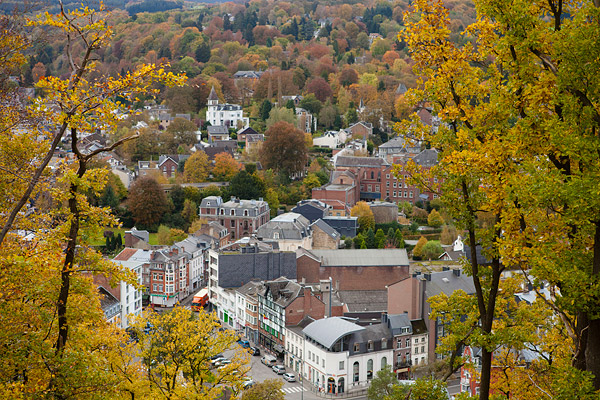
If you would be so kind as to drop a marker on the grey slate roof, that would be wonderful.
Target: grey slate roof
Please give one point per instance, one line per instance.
(447, 282)
(362, 257)
(364, 300)
(214, 201)
(217, 130)
(325, 227)
(109, 303)
(283, 290)
(213, 94)
(348, 161)
(426, 158)
(290, 226)
(327, 331)
(399, 321)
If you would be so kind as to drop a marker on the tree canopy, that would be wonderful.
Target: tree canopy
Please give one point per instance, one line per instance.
(284, 148)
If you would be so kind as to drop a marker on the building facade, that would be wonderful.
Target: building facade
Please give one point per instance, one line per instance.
(240, 217)
(228, 115)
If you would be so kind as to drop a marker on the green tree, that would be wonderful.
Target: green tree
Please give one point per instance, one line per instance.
(448, 235)
(265, 109)
(385, 386)
(109, 198)
(432, 250)
(399, 239)
(359, 241)
(280, 114)
(434, 219)
(246, 186)
(370, 239)
(405, 207)
(380, 239)
(311, 104)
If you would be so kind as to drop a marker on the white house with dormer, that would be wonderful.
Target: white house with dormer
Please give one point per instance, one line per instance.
(228, 115)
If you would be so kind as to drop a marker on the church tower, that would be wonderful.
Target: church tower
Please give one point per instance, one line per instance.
(213, 99)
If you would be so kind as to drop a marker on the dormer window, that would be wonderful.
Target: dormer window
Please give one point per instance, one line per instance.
(370, 345)
(356, 347)
(245, 213)
(232, 212)
(222, 211)
(384, 343)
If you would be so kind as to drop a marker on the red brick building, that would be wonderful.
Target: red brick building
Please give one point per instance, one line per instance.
(353, 269)
(372, 178)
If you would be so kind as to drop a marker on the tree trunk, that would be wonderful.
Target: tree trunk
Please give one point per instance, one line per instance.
(486, 372)
(592, 349)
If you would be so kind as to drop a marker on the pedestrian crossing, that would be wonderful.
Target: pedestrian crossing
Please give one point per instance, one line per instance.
(293, 389)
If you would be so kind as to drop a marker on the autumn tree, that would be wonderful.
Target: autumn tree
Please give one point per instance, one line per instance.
(434, 219)
(522, 88)
(176, 349)
(418, 250)
(146, 202)
(320, 88)
(225, 167)
(385, 385)
(49, 341)
(280, 114)
(363, 212)
(269, 389)
(196, 167)
(284, 149)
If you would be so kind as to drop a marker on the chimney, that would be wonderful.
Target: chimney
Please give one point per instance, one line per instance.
(232, 198)
(427, 277)
(445, 268)
(260, 199)
(456, 272)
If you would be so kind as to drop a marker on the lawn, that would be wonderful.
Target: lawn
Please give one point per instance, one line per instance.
(100, 240)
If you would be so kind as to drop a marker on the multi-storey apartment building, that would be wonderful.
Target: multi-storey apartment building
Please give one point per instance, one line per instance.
(373, 178)
(240, 217)
(168, 276)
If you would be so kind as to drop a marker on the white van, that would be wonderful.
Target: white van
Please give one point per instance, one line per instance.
(269, 361)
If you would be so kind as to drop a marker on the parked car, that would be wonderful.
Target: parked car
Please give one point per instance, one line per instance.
(244, 343)
(248, 383)
(222, 362)
(269, 361)
(255, 351)
(214, 361)
(289, 377)
(220, 355)
(278, 369)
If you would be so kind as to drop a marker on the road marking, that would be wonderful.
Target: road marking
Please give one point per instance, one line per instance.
(294, 389)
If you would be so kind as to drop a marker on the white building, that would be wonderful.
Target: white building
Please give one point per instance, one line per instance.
(341, 355)
(229, 115)
(130, 297)
(420, 344)
(331, 139)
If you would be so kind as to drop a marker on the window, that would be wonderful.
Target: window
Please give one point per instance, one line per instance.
(384, 343)
(416, 340)
(387, 176)
(370, 345)
(383, 362)
(372, 175)
(323, 362)
(356, 347)
(245, 213)
(355, 371)
(387, 184)
(370, 188)
(369, 369)
(394, 194)
(232, 212)
(416, 350)
(407, 342)
(422, 349)
(317, 359)
(410, 194)
(341, 368)
(394, 184)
